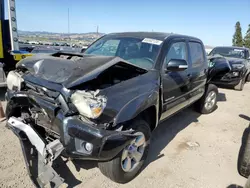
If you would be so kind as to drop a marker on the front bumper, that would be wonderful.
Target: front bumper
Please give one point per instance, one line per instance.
(229, 79)
(74, 133)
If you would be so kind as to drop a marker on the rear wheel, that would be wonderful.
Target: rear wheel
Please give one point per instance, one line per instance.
(127, 165)
(240, 86)
(207, 103)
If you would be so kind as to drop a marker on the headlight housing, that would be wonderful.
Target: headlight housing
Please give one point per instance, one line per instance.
(14, 81)
(235, 74)
(88, 104)
(238, 66)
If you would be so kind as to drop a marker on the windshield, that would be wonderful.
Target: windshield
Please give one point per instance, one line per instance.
(229, 52)
(140, 52)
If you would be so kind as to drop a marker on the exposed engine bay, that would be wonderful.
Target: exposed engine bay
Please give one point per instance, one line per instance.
(114, 75)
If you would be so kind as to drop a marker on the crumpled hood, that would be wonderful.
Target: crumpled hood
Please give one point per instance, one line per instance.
(68, 72)
(237, 64)
(231, 60)
(234, 60)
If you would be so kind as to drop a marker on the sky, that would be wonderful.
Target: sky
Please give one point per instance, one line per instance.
(213, 21)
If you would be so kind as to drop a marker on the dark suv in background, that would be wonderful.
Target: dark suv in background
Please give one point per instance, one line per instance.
(239, 59)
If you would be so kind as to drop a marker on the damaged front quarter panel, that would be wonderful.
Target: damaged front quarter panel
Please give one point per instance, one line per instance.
(131, 98)
(218, 66)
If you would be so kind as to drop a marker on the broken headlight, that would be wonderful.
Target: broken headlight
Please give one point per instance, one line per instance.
(88, 104)
(14, 81)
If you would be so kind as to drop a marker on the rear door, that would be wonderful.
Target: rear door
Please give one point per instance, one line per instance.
(176, 85)
(198, 69)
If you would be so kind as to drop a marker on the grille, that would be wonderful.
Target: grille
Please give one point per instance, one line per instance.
(47, 94)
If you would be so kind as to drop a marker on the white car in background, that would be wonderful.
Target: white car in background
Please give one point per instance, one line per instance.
(34, 42)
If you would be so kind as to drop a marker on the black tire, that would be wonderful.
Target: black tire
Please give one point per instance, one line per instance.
(113, 169)
(248, 78)
(240, 86)
(244, 155)
(200, 104)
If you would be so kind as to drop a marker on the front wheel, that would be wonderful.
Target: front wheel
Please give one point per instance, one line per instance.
(208, 102)
(127, 165)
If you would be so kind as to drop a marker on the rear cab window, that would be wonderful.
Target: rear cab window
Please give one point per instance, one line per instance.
(196, 54)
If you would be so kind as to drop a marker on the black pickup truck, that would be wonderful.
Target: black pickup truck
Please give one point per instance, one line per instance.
(103, 105)
(239, 60)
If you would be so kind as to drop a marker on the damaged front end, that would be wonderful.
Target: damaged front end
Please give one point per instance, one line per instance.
(73, 117)
(218, 68)
(38, 156)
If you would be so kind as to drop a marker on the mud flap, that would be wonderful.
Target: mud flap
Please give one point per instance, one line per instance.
(41, 174)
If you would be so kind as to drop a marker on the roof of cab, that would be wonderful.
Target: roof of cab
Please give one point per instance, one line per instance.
(155, 35)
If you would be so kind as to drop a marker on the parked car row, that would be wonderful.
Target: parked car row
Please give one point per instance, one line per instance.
(45, 43)
(104, 103)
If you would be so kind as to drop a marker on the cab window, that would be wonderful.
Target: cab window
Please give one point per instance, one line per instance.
(177, 50)
(197, 54)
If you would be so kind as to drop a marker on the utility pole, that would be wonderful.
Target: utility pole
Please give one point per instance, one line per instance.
(68, 23)
(13, 25)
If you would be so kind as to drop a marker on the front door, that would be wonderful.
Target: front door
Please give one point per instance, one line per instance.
(176, 84)
(198, 70)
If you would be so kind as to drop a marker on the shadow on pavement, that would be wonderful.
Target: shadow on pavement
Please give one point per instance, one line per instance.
(162, 135)
(60, 166)
(244, 117)
(166, 132)
(87, 165)
(222, 97)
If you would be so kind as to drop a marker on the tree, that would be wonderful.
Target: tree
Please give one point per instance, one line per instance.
(247, 38)
(237, 37)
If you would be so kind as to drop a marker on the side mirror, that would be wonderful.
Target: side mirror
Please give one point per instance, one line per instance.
(176, 65)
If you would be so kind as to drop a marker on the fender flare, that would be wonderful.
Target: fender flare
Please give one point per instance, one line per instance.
(137, 105)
